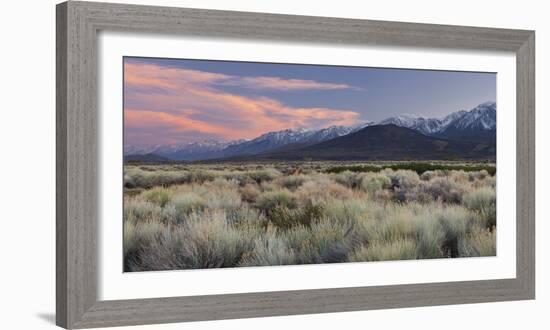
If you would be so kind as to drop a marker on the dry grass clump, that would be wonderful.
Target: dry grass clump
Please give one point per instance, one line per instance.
(250, 192)
(223, 199)
(322, 189)
(483, 200)
(429, 175)
(137, 210)
(402, 249)
(269, 250)
(291, 182)
(205, 241)
(205, 216)
(158, 196)
(480, 242)
(323, 242)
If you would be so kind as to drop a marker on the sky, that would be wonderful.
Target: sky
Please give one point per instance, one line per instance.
(176, 101)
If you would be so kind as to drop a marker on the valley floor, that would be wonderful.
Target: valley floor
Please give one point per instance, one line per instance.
(182, 216)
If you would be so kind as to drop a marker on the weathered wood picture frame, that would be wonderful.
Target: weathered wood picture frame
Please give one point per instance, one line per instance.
(78, 24)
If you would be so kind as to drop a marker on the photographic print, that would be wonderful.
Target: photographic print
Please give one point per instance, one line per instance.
(236, 164)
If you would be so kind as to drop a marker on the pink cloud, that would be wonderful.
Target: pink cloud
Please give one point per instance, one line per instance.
(161, 100)
(147, 74)
(150, 75)
(283, 84)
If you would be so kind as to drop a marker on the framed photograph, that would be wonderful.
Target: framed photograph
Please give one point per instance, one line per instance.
(217, 165)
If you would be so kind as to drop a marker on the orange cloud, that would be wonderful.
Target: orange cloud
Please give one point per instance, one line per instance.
(149, 74)
(141, 118)
(162, 99)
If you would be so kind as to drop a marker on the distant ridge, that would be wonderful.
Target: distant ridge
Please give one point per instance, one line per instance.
(289, 137)
(385, 142)
(146, 158)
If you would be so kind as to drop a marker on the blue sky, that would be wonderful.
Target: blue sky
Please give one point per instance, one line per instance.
(244, 99)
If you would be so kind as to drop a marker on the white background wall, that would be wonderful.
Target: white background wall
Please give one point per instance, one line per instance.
(27, 183)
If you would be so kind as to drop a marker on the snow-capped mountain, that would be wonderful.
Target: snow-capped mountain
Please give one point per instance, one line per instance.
(478, 124)
(482, 117)
(426, 126)
(448, 119)
(274, 140)
(187, 151)
(331, 132)
(423, 125)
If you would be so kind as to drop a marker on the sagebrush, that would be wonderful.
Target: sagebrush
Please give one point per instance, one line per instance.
(207, 216)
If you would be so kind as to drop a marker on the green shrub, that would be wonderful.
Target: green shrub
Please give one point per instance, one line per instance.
(269, 200)
(384, 223)
(372, 183)
(158, 195)
(480, 199)
(138, 178)
(248, 219)
(283, 218)
(404, 179)
(131, 192)
(348, 179)
(141, 211)
(440, 231)
(260, 176)
(444, 190)
(187, 203)
(345, 211)
(416, 166)
(322, 190)
(200, 176)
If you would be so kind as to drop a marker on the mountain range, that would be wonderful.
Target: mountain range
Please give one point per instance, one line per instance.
(383, 142)
(461, 134)
(476, 125)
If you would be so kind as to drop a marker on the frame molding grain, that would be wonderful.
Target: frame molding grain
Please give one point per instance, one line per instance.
(78, 24)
